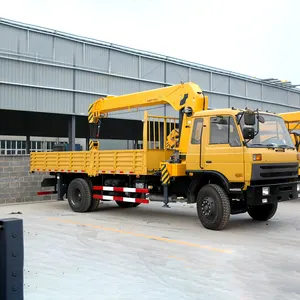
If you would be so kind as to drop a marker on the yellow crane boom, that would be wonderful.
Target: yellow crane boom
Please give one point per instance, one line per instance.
(179, 96)
(186, 98)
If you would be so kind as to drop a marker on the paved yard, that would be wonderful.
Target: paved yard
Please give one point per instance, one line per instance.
(150, 252)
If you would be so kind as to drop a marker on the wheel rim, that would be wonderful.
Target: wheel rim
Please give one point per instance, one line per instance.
(76, 197)
(208, 209)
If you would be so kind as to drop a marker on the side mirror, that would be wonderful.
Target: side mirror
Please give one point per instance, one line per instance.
(249, 118)
(248, 133)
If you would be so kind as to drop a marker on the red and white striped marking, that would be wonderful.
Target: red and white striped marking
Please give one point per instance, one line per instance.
(118, 198)
(120, 189)
(58, 170)
(83, 171)
(114, 172)
(106, 172)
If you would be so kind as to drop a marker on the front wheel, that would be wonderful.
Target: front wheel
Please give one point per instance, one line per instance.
(213, 207)
(262, 212)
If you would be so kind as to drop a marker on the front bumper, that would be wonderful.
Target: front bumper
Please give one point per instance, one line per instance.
(278, 192)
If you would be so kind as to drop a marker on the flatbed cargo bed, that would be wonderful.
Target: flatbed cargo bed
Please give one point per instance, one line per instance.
(93, 163)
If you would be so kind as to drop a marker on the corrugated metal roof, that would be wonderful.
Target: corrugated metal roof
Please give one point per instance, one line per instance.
(131, 50)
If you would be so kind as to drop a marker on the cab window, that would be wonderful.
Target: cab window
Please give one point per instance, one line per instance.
(223, 131)
(197, 130)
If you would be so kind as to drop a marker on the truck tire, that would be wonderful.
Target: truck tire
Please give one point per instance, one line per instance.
(94, 202)
(213, 207)
(79, 195)
(127, 204)
(94, 205)
(262, 212)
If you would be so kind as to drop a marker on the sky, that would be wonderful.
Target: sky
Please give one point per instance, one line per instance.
(256, 38)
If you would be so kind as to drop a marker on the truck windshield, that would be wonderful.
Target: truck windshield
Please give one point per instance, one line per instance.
(272, 133)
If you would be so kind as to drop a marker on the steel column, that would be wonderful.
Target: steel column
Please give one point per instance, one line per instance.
(28, 144)
(72, 135)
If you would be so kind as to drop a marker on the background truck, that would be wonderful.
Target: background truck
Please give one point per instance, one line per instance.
(225, 160)
(292, 122)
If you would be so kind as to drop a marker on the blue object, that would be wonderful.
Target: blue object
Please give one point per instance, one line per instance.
(78, 147)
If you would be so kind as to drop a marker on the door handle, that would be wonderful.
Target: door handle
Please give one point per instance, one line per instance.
(208, 161)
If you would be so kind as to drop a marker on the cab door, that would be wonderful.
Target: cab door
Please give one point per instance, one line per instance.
(223, 151)
(194, 148)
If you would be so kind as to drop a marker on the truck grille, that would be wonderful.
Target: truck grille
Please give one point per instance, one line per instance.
(274, 171)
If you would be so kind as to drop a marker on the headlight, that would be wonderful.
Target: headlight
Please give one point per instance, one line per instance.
(298, 187)
(265, 191)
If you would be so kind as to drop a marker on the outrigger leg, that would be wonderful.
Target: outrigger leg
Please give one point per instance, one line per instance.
(166, 196)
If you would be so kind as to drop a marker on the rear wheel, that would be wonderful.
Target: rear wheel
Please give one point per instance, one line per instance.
(213, 207)
(79, 195)
(94, 202)
(94, 205)
(262, 212)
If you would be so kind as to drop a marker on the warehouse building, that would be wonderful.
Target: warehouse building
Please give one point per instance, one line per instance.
(48, 79)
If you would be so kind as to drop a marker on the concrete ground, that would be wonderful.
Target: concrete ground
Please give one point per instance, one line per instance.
(150, 252)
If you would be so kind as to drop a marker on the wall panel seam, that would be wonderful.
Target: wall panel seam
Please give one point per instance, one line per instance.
(103, 94)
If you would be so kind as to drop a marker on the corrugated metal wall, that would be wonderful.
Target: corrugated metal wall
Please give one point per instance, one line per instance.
(47, 72)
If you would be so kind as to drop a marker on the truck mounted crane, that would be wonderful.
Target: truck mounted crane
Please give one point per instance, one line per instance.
(220, 159)
(292, 121)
